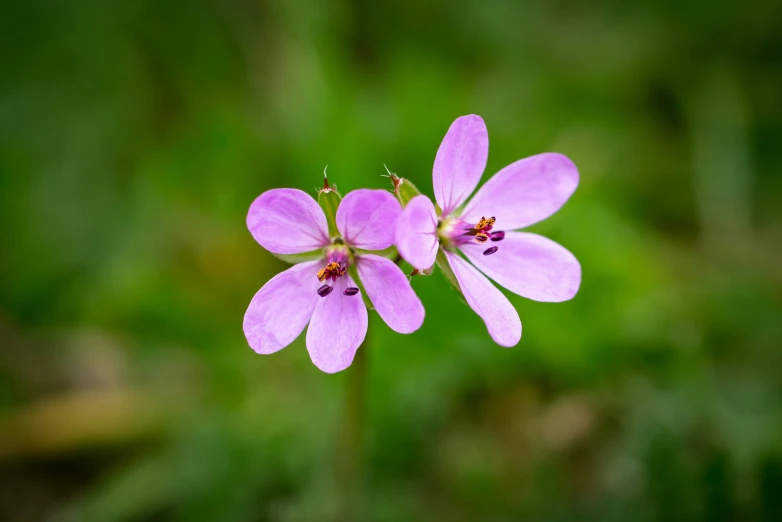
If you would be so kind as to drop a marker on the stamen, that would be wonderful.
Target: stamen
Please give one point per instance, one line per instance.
(332, 271)
(351, 290)
(455, 232)
(485, 224)
(325, 290)
(490, 251)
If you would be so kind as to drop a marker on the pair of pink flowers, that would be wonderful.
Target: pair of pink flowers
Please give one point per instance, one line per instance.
(325, 290)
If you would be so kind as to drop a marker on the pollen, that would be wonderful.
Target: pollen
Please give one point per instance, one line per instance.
(332, 271)
(322, 275)
(481, 237)
(485, 223)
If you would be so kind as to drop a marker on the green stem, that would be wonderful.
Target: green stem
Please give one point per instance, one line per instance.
(352, 453)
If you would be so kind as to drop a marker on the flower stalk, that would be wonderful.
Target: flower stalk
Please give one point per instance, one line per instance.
(352, 454)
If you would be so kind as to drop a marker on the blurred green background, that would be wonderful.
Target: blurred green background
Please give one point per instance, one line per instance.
(135, 135)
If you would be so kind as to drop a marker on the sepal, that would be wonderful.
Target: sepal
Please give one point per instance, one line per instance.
(389, 253)
(404, 190)
(295, 259)
(329, 199)
(445, 267)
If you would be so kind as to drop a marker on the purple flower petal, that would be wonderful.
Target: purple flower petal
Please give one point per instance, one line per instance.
(525, 192)
(282, 308)
(390, 293)
(287, 221)
(460, 162)
(488, 302)
(337, 328)
(367, 218)
(530, 265)
(416, 233)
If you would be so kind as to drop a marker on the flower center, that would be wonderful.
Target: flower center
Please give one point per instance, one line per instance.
(337, 262)
(454, 232)
(332, 271)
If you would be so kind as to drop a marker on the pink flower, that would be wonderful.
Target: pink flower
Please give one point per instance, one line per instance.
(519, 195)
(322, 292)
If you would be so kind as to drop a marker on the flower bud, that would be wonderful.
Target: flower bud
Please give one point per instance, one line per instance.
(328, 199)
(404, 190)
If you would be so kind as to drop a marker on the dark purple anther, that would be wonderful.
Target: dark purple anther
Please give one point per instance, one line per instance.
(498, 236)
(351, 290)
(325, 290)
(490, 251)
